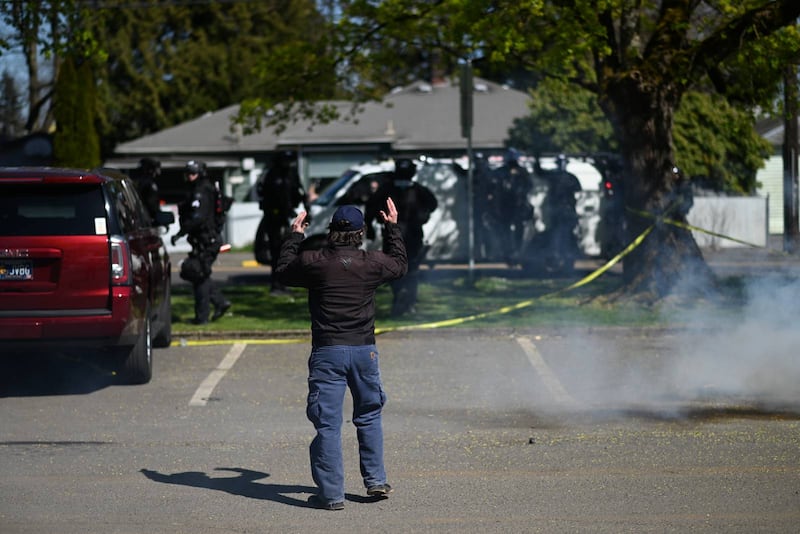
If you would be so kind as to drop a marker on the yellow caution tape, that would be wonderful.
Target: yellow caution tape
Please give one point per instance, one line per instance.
(212, 342)
(507, 309)
(687, 226)
(613, 261)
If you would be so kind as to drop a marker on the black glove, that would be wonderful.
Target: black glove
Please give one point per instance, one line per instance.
(174, 239)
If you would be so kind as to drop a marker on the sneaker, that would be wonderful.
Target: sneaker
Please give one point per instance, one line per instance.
(380, 490)
(317, 502)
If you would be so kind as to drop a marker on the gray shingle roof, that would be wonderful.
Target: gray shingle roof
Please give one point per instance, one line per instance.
(417, 117)
(771, 129)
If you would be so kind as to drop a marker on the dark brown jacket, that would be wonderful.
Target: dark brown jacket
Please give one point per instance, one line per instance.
(341, 282)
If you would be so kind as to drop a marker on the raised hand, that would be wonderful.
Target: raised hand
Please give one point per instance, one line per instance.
(299, 224)
(390, 215)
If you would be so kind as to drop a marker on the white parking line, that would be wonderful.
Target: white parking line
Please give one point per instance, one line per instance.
(203, 393)
(549, 378)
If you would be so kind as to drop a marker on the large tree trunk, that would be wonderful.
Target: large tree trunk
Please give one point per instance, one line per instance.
(668, 258)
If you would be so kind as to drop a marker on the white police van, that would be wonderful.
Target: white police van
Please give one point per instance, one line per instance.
(447, 231)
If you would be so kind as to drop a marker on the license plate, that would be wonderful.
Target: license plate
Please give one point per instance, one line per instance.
(16, 270)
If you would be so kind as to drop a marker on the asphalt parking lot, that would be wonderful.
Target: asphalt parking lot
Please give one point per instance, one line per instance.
(575, 430)
(592, 431)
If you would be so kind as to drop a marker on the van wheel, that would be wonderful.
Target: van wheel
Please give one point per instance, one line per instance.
(136, 366)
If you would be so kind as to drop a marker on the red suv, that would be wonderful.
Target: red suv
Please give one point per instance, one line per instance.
(83, 265)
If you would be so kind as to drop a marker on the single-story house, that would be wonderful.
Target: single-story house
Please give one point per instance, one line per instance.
(421, 119)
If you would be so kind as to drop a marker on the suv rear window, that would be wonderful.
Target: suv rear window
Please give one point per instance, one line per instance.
(52, 209)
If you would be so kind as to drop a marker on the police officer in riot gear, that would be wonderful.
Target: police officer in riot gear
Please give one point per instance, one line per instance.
(559, 241)
(145, 176)
(508, 206)
(414, 203)
(611, 232)
(481, 194)
(199, 223)
(280, 192)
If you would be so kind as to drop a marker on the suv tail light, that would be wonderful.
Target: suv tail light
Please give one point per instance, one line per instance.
(120, 262)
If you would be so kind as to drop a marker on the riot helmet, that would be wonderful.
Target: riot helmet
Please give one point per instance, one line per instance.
(511, 157)
(561, 162)
(404, 169)
(194, 167)
(284, 158)
(150, 167)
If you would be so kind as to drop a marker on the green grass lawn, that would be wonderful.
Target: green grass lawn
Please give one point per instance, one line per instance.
(446, 295)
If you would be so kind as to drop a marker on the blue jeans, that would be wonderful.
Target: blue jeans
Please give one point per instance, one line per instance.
(330, 371)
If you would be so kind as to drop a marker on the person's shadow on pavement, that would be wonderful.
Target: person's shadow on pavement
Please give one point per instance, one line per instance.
(245, 485)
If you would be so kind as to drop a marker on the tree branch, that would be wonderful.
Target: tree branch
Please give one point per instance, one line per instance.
(757, 22)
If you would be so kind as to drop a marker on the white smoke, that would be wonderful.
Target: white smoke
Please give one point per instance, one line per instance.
(753, 356)
(747, 357)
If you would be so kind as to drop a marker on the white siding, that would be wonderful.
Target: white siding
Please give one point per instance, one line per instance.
(740, 218)
(771, 180)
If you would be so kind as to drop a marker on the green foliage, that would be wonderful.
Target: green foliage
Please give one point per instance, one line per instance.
(638, 59)
(751, 74)
(76, 143)
(563, 119)
(11, 120)
(165, 63)
(88, 118)
(273, 76)
(28, 32)
(371, 49)
(447, 294)
(635, 61)
(717, 144)
(65, 140)
(44, 33)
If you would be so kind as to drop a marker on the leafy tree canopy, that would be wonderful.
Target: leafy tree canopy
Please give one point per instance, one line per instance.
(638, 57)
(563, 119)
(169, 62)
(11, 120)
(716, 144)
(158, 62)
(76, 143)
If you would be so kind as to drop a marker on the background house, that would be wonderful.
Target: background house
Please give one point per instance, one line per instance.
(416, 120)
(420, 119)
(771, 177)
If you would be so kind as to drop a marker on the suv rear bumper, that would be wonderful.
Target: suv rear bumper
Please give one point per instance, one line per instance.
(118, 326)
